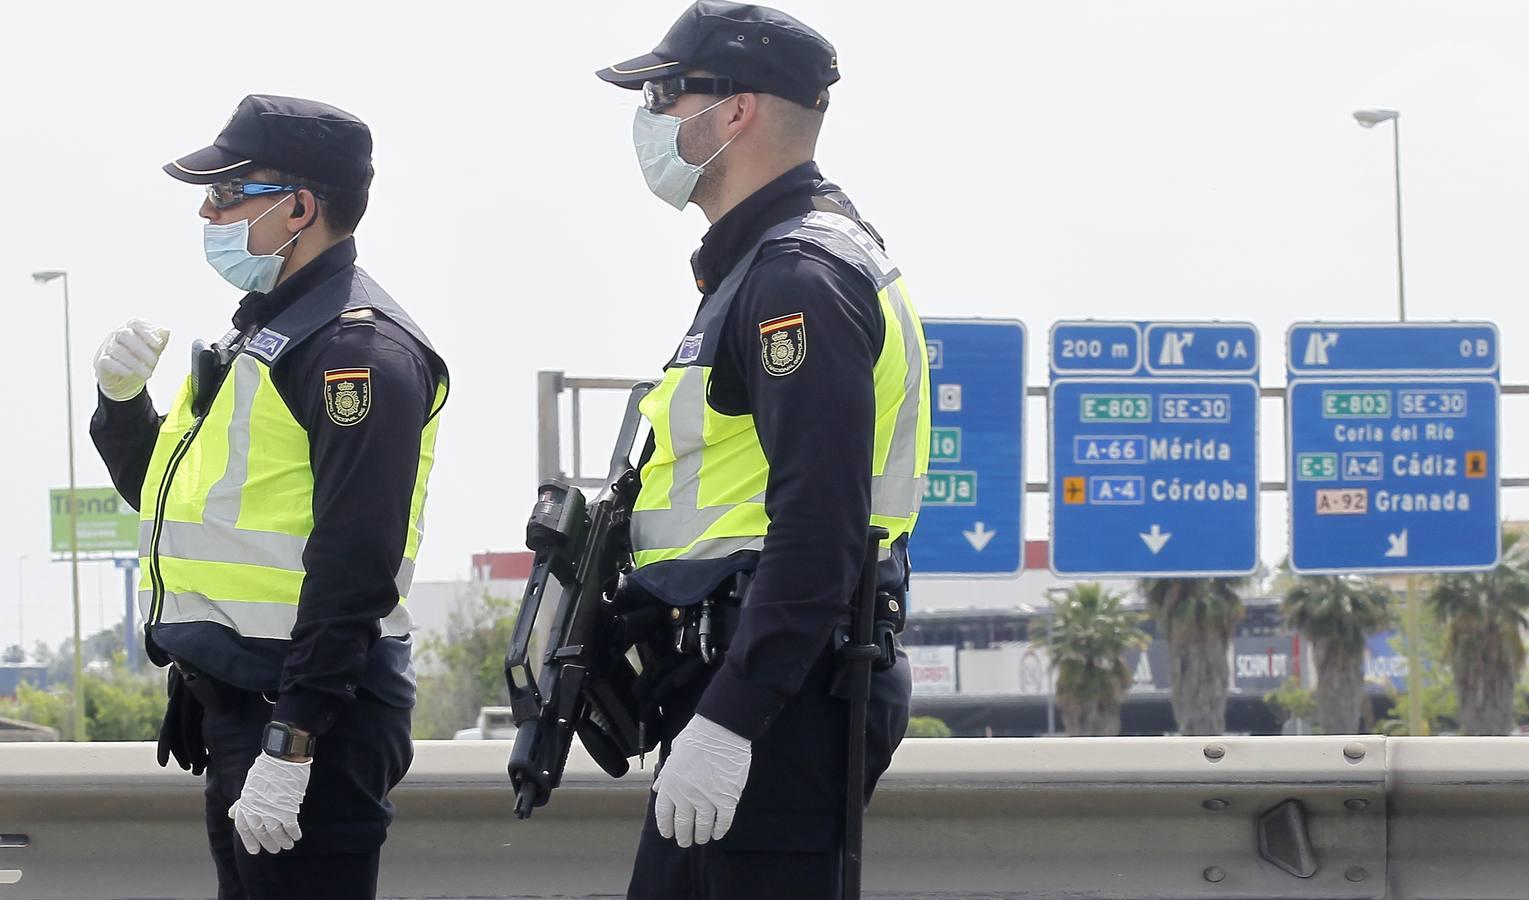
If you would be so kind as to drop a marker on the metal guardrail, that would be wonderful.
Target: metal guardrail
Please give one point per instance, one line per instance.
(1137, 818)
(551, 384)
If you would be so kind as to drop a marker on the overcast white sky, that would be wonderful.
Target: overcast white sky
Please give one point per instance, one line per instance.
(1043, 160)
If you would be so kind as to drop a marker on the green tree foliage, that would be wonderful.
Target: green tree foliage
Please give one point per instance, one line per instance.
(465, 666)
(1292, 701)
(1197, 617)
(1089, 636)
(1441, 708)
(120, 705)
(927, 727)
(1337, 614)
(1484, 614)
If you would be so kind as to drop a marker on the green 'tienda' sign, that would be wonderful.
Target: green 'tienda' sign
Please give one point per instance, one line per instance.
(106, 523)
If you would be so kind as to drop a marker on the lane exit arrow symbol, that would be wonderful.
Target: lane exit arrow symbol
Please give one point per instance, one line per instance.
(1398, 545)
(979, 537)
(1156, 538)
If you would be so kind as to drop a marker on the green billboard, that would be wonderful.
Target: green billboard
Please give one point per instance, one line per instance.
(106, 523)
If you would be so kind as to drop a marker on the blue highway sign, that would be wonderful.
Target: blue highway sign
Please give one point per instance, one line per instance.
(1325, 349)
(971, 522)
(1393, 467)
(1154, 470)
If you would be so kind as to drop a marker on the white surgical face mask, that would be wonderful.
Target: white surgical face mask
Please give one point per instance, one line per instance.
(657, 139)
(228, 251)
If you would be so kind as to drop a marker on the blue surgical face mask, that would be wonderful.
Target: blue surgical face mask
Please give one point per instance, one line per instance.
(657, 139)
(228, 252)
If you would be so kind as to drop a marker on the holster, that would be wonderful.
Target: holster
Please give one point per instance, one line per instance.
(891, 616)
(208, 691)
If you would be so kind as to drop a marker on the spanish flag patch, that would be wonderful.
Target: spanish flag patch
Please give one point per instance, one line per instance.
(783, 344)
(347, 395)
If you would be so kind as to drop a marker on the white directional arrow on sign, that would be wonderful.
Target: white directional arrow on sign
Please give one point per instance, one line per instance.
(1156, 538)
(1398, 545)
(979, 537)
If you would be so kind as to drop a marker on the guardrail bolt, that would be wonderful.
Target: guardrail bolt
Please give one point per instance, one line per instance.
(1215, 874)
(1356, 874)
(1215, 805)
(1354, 751)
(1215, 752)
(1357, 804)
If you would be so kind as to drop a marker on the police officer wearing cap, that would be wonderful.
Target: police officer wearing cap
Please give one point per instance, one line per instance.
(793, 415)
(282, 499)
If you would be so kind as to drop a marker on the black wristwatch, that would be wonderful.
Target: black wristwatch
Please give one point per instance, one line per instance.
(282, 740)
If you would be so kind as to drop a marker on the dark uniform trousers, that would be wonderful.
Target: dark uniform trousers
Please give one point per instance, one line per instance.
(345, 814)
(787, 837)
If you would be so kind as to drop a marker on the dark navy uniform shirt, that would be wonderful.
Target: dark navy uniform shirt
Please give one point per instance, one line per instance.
(817, 426)
(363, 479)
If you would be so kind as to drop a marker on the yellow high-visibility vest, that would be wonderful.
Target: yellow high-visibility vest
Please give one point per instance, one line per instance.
(703, 487)
(227, 507)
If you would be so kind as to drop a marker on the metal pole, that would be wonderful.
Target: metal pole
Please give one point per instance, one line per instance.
(78, 692)
(1415, 724)
(129, 619)
(1414, 618)
(21, 595)
(1401, 280)
(578, 426)
(549, 462)
(1051, 673)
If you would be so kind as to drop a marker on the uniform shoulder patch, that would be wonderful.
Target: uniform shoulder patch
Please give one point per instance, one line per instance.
(783, 344)
(364, 312)
(347, 395)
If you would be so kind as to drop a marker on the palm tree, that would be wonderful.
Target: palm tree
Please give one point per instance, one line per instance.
(1088, 636)
(1197, 617)
(1336, 614)
(1484, 613)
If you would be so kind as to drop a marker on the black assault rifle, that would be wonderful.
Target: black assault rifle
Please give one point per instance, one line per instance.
(586, 684)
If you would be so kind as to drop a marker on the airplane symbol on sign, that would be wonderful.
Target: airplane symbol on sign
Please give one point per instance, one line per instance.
(1476, 464)
(1072, 490)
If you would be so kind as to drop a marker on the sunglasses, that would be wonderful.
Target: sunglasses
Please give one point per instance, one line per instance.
(232, 193)
(658, 96)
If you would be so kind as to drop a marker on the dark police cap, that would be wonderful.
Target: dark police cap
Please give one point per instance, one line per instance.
(761, 49)
(298, 137)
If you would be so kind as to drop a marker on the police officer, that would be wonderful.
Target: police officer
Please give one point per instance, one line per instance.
(282, 499)
(793, 415)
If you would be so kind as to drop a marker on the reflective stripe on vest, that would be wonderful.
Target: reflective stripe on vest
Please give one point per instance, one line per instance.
(227, 509)
(703, 488)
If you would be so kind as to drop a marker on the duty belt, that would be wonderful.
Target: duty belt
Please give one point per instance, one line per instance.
(706, 629)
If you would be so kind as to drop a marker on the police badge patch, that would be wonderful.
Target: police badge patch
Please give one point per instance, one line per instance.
(783, 343)
(347, 395)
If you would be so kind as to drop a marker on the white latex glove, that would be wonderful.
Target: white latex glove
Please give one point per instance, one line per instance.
(127, 358)
(699, 786)
(265, 814)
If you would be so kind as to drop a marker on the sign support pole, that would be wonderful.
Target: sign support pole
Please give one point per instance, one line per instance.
(129, 596)
(1415, 724)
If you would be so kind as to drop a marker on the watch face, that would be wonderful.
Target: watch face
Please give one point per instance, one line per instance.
(276, 741)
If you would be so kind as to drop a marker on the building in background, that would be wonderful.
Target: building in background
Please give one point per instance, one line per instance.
(13, 675)
(433, 604)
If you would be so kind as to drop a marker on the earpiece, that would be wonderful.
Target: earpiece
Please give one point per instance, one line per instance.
(298, 209)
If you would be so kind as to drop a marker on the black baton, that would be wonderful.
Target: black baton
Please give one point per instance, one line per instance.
(859, 652)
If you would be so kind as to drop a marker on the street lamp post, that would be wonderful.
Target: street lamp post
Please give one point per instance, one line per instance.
(78, 692)
(1369, 118)
(21, 594)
